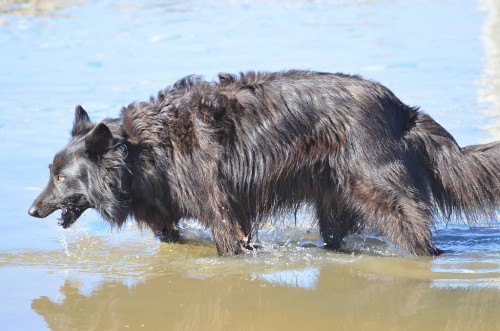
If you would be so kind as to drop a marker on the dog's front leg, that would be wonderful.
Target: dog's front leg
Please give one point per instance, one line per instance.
(169, 233)
(228, 237)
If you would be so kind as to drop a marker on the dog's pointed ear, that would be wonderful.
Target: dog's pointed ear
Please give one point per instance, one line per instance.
(82, 124)
(98, 140)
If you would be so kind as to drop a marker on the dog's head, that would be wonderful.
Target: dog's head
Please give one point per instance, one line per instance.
(75, 171)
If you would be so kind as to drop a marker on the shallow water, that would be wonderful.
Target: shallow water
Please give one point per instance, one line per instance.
(441, 55)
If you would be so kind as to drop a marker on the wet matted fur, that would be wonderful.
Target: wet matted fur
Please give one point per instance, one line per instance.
(231, 152)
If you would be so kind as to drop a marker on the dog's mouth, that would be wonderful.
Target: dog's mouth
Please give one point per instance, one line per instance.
(69, 215)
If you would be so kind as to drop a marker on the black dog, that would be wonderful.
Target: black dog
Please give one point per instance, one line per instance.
(228, 153)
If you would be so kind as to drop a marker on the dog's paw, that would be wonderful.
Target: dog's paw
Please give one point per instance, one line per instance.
(246, 247)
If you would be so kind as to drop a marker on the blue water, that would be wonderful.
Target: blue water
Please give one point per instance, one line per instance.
(106, 54)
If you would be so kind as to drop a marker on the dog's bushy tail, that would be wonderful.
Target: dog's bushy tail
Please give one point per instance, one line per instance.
(465, 182)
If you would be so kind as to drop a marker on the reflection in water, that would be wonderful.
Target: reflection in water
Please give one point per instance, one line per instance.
(151, 286)
(142, 284)
(302, 278)
(345, 297)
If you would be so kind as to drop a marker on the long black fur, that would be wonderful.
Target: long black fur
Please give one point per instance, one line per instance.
(231, 152)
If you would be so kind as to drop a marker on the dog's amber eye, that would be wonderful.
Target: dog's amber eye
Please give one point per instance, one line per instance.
(60, 178)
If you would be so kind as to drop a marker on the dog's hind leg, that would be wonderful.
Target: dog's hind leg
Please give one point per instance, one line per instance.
(401, 214)
(336, 222)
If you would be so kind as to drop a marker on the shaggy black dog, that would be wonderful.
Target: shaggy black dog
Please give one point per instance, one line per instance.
(231, 152)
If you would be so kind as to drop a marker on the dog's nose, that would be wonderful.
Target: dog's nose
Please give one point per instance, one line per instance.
(33, 212)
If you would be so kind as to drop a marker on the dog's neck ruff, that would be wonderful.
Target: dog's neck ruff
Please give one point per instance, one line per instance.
(124, 145)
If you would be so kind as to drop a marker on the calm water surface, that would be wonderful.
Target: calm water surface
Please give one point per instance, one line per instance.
(441, 55)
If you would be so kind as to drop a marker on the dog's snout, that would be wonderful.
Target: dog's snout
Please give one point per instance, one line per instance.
(34, 212)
